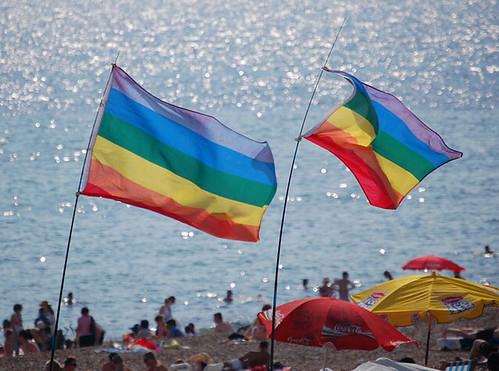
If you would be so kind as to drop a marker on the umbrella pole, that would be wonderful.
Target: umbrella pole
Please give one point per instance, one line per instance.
(326, 350)
(427, 342)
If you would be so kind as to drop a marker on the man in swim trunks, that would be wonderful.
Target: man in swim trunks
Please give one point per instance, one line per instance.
(344, 286)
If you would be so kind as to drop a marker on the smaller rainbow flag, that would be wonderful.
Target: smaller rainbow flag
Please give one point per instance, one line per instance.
(179, 163)
(387, 148)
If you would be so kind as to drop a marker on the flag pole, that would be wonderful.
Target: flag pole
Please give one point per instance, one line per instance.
(98, 116)
(298, 140)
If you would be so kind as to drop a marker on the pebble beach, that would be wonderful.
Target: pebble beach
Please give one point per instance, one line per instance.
(299, 358)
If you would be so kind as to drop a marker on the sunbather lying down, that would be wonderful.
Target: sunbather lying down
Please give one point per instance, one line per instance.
(462, 338)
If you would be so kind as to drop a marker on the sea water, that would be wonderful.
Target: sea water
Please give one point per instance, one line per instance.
(253, 65)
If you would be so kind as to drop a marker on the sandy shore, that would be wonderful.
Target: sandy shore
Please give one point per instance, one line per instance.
(300, 358)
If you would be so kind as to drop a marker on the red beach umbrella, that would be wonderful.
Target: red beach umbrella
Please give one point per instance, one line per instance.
(432, 262)
(319, 321)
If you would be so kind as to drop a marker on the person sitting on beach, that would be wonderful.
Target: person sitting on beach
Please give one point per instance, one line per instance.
(118, 364)
(166, 308)
(26, 342)
(257, 331)
(190, 330)
(152, 363)
(70, 364)
(481, 349)
(42, 319)
(468, 335)
(108, 366)
(42, 336)
(344, 286)
(85, 337)
(228, 298)
(144, 331)
(221, 327)
(326, 290)
(173, 331)
(161, 328)
(250, 359)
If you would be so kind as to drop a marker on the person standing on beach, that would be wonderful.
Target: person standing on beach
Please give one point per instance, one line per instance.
(344, 286)
(16, 323)
(47, 311)
(85, 337)
(152, 363)
(166, 308)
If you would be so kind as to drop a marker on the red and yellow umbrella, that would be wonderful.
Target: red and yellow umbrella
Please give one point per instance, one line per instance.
(405, 300)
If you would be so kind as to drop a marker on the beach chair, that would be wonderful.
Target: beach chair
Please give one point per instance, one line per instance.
(466, 365)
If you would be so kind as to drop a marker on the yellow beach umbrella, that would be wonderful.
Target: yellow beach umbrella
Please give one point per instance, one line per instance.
(405, 300)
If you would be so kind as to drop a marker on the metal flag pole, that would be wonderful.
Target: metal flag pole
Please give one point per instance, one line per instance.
(298, 140)
(98, 117)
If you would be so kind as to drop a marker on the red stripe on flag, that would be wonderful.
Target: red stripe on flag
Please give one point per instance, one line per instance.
(364, 166)
(130, 192)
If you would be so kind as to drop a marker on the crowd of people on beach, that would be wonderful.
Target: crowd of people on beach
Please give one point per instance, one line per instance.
(19, 340)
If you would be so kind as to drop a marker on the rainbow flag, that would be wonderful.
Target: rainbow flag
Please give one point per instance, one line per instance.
(387, 148)
(179, 163)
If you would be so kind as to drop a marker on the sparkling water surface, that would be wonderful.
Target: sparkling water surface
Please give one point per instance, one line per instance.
(253, 66)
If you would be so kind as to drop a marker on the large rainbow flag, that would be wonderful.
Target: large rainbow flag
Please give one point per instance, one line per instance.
(177, 162)
(387, 148)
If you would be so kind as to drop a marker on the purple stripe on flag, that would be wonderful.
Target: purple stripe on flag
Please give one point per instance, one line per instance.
(417, 127)
(204, 125)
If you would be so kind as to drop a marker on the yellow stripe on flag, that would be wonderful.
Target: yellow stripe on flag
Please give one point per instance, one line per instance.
(400, 179)
(162, 181)
(354, 124)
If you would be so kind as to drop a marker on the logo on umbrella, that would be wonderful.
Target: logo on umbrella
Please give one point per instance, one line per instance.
(345, 330)
(278, 316)
(372, 300)
(457, 304)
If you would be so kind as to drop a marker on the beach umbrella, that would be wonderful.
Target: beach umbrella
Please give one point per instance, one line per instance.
(324, 321)
(405, 300)
(432, 262)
